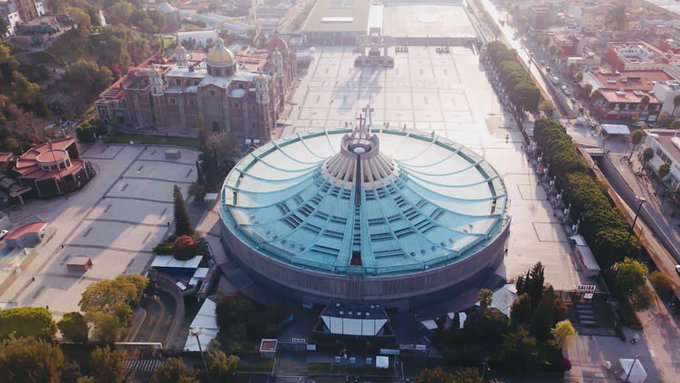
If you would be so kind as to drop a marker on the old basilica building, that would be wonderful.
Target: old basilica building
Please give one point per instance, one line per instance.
(241, 93)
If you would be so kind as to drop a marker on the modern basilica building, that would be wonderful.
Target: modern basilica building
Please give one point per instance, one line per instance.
(365, 216)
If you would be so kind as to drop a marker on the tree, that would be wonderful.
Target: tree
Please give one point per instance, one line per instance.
(87, 78)
(73, 327)
(30, 360)
(647, 155)
(628, 277)
(644, 102)
(8, 65)
(635, 139)
(182, 221)
(662, 283)
(438, 375)
(547, 107)
(587, 90)
(29, 96)
(81, 19)
(109, 305)
(485, 298)
(521, 310)
(549, 311)
(173, 371)
(222, 367)
(27, 322)
(532, 283)
(107, 366)
(184, 248)
(120, 12)
(617, 18)
(563, 332)
(676, 104)
(664, 170)
(520, 349)
(467, 375)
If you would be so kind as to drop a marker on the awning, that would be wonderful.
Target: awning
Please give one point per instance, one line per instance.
(633, 371)
(616, 129)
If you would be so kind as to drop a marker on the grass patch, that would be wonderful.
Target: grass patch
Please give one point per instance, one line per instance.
(153, 140)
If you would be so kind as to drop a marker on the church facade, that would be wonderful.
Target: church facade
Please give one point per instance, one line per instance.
(240, 93)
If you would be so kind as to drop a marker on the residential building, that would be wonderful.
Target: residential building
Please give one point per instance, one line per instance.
(539, 17)
(666, 91)
(626, 105)
(637, 55)
(666, 146)
(20, 11)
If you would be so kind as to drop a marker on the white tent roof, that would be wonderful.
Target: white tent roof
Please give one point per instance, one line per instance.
(503, 298)
(382, 362)
(429, 324)
(168, 261)
(637, 372)
(586, 254)
(206, 320)
(616, 129)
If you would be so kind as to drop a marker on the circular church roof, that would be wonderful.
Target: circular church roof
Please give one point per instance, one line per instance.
(380, 203)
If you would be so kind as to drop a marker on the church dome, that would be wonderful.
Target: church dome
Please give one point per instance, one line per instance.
(219, 55)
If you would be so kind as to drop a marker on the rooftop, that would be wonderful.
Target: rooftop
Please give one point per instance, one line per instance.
(425, 202)
(338, 15)
(631, 80)
(627, 96)
(665, 139)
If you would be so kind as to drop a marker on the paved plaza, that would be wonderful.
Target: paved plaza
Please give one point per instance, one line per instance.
(450, 95)
(116, 220)
(423, 20)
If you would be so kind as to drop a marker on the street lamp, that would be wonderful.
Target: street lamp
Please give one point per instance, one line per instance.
(630, 370)
(196, 331)
(637, 213)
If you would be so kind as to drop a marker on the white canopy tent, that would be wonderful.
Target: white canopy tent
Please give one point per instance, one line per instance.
(633, 370)
(616, 129)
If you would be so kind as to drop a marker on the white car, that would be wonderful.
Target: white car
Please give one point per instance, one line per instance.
(3, 233)
(677, 269)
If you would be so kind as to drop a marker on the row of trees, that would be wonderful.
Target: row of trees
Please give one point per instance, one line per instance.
(221, 368)
(601, 224)
(532, 336)
(36, 361)
(521, 89)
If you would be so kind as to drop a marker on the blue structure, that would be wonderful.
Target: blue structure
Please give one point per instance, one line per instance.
(350, 214)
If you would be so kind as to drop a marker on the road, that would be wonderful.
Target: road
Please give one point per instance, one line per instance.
(564, 105)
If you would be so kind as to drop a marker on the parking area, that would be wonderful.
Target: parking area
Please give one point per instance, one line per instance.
(447, 93)
(116, 220)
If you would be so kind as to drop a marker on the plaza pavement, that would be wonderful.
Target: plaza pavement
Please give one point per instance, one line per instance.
(450, 95)
(116, 220)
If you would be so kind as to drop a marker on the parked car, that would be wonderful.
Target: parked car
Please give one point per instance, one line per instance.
(3, 233)
(677, 269)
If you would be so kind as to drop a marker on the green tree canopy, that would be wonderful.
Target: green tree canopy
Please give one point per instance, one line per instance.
(181, 215)
(29, 360)
(73, 327)
(437, 375)
(107, 366)
(27, 322)
(520, 349)
(173, 371)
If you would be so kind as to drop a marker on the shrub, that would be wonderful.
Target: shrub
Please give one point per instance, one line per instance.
(184, 248)
(73, 327)
(85, 133)
(164, 248)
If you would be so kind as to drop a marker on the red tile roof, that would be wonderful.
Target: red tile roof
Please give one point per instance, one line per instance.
(632, 80)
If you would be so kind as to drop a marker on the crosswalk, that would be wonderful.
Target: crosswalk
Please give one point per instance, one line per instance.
(142, 365)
